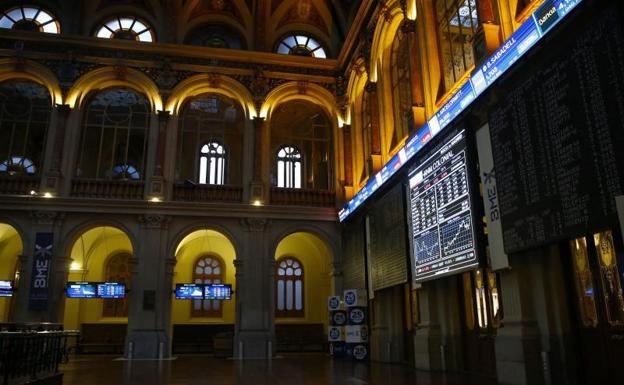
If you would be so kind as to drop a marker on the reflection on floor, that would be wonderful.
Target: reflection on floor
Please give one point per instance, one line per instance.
(304, 369)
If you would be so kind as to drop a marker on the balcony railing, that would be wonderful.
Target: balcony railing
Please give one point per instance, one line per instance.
(205, 192)
(18, 184)
(32, 357)
(110, 189)
(302, 197)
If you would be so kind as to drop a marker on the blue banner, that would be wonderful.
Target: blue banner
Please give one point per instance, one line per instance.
(40, 273)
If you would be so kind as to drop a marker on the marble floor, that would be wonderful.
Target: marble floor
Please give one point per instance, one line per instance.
(304, 369)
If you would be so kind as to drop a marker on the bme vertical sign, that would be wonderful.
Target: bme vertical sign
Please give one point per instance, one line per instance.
(40, 274)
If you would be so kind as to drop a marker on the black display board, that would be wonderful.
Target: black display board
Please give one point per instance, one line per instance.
(388, 252)
(558, 136)
(441, 215)
(353, 260)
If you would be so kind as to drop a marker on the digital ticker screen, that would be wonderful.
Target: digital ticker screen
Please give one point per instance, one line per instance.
(442, 231)
(189, 291)
(6, 288)
(81, 290)
(111, 290)
(217, 291)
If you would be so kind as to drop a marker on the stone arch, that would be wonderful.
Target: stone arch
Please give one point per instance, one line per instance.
(188, 230)
(383, 36)
(10, 69)
(107, 77)
(73, 235)
(323, 235)
(301, 91)
(199, 84)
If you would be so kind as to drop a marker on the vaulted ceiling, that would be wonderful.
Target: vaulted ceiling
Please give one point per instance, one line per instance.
(260, 23)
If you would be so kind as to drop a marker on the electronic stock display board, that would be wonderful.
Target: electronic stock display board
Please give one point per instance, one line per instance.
(441, 218)
(542, 21)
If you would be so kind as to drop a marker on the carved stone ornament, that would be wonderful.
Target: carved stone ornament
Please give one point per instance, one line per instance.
(154, 221)
(46, 217)
(254, 224)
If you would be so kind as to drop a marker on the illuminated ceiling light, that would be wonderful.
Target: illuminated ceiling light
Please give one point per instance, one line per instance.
(33, 192)
(75, 266)
(47, 195)
(155, 199)
(257, 202)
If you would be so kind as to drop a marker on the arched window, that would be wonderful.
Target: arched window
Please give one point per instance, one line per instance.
(212, 164)
(209, 142)
(401, 88)
(126, 28)
(24, 120)
(117, 270)
(301, 45)
(457, 23)
(301, 142)
(114, 135)
(29, 18)
(288, 167)
(289, 301)
(208, 269)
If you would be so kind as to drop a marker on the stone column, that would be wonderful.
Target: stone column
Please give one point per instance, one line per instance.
(254, 329)
(48, 277)
(348, 161)
(408, 27)
(517, 343)
(375, 157)
(258, 188)
(427, 337)
(487, 38)
(149, 310)
(55, 150)
(156, 187)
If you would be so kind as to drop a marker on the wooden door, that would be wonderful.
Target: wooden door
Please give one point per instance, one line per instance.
(597, 268)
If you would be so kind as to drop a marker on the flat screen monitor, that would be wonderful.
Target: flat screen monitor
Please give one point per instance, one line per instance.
(441, 218)
(81, 290)
(218, 291)
(6, 288)
(189, 291)
(111, 290)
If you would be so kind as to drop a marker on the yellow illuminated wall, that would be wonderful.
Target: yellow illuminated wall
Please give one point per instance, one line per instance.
(316, 259)
(10, 249)
(192, 247)
(89, 255)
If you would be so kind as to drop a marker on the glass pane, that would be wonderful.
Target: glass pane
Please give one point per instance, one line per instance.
(104, 33)
(583, 282)
(216, 305)
(297, 175)
(320, 53)
(15, 14)
(43, 17)
(139, 27)
(280, 174)
(197, 305)
(290, 41)
(213, 171)
(298, 295)
(289, 271)
(289, 295)
(30, 12)
(313, 44)
(280, 294)
(125, 22)
(609, 275)
(298, 272)
(216, 271)
(198, 270)
(208, 270)
(203, 169)
(50, 28)
(146, 37)
(113, 25)
(5, 22)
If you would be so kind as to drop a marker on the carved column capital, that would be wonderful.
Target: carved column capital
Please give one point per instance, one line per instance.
(41, 217)
(254, 225)
(154, 221)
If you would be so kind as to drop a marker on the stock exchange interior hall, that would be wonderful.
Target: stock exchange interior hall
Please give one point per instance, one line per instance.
(311, 191)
